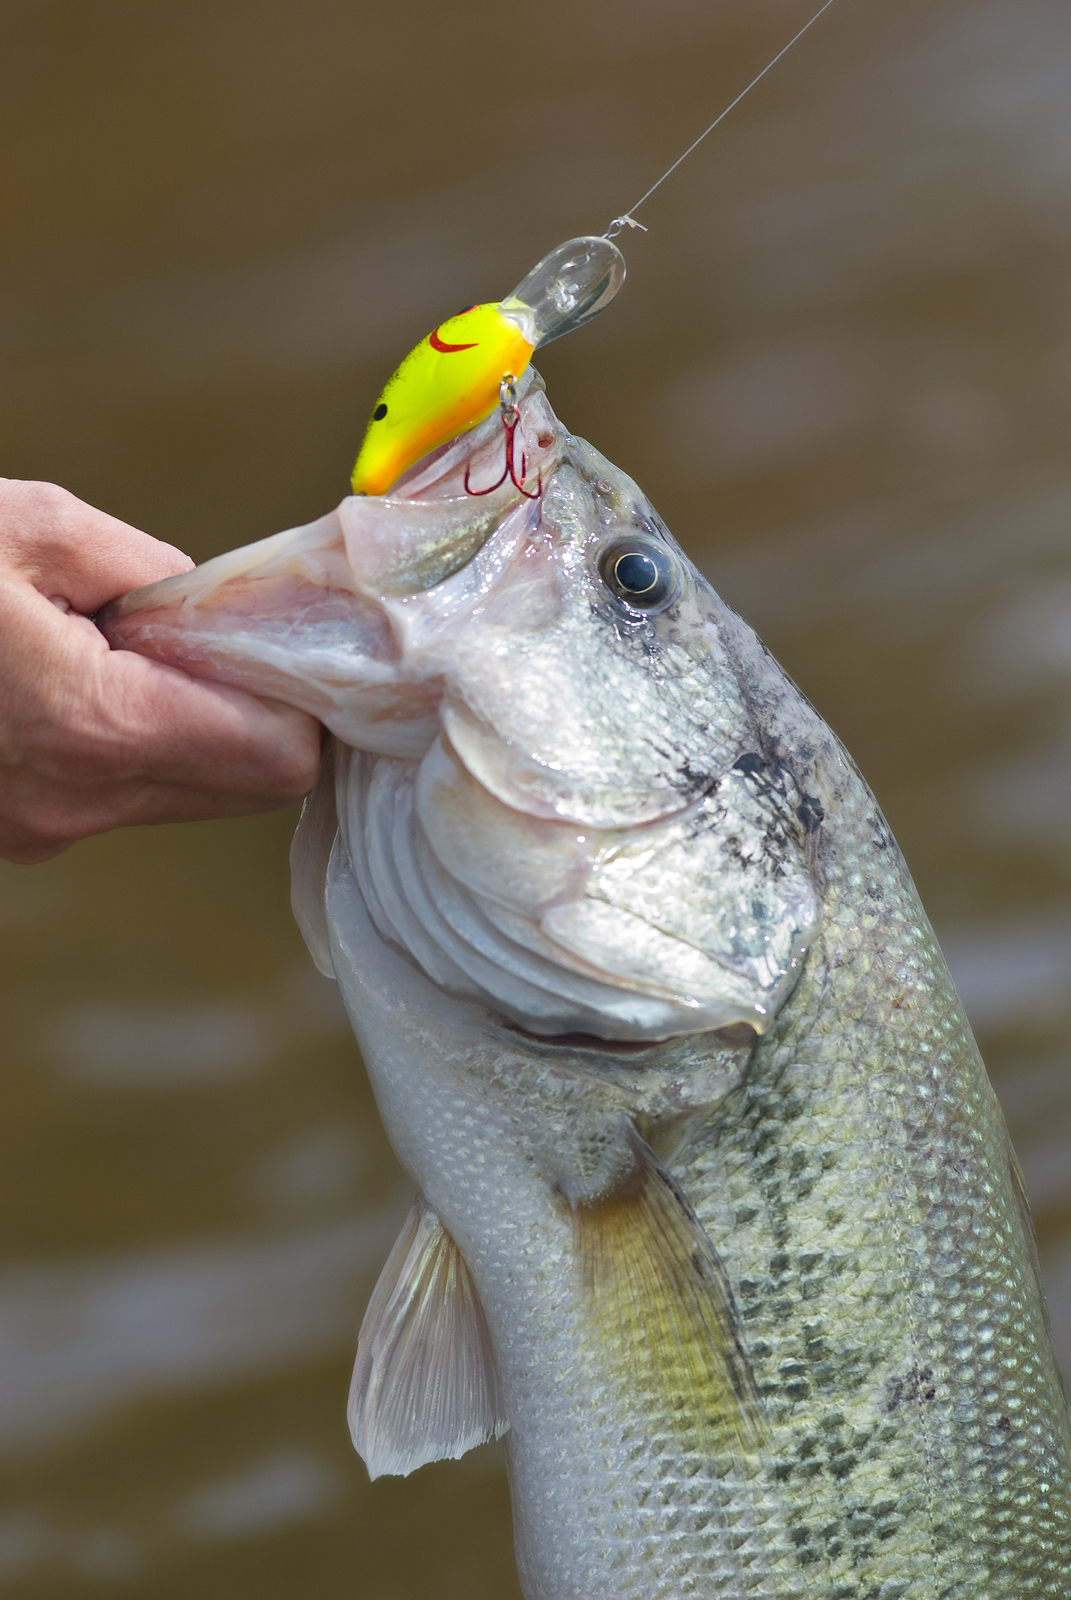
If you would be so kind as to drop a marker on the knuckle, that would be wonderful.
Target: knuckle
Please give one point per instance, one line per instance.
(34, 496)
(32, 510)
(295, 780)
(30, 834)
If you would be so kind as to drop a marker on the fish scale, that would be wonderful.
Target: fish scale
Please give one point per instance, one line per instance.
(758, 1295)
(901, 1188)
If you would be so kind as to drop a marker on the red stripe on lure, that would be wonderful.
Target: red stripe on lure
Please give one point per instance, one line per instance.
(437, 344)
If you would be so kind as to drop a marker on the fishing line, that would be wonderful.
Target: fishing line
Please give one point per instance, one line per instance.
(487, 348)
(626, 219)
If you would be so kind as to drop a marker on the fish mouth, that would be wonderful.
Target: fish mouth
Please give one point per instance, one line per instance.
(311, 616)
(284, 619)
(575, 1041)
(734, 1036)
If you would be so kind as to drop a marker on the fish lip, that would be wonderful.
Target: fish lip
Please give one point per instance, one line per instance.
(734, 1033)
(588, 1041)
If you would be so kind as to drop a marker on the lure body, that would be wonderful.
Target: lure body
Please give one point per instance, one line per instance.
(445, 386)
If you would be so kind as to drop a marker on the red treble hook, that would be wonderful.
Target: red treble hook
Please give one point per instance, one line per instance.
(511, 415)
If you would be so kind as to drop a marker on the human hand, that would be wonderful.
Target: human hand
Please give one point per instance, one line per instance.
(93, 738)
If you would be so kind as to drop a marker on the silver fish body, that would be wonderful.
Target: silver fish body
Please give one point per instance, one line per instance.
(717, 1210)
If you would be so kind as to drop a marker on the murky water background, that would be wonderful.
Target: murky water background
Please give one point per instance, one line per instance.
(842, 370)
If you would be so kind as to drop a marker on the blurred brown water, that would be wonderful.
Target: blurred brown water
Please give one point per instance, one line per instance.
(841, 368)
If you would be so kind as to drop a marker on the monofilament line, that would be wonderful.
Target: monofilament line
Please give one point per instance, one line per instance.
(626, 219)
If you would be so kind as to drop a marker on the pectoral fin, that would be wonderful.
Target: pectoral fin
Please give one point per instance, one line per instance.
(664, 1313)
(424, 1384)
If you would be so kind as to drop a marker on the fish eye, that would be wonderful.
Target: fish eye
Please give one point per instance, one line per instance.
(638, 571)
(379, 413)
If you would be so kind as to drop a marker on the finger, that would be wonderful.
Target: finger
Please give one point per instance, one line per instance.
(71, 551)
(83, 730)
(51, 827)
(160, 726)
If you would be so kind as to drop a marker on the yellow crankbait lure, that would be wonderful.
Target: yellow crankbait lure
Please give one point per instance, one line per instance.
(454, 377)
(446, 385)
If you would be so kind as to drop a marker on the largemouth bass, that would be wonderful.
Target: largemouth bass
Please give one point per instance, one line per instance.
(717, 1214)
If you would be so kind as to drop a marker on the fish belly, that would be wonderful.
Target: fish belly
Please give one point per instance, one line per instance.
(858, 1189)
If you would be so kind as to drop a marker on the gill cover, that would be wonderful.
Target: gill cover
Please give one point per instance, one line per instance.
(451, 380)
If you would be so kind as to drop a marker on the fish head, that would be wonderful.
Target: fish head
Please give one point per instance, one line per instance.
(539, 685)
